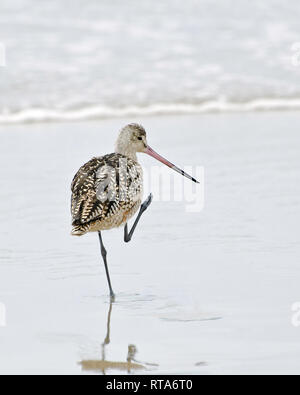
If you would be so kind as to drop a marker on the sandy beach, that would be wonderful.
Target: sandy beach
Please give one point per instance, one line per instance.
(216, 298)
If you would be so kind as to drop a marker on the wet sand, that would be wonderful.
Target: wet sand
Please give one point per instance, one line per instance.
(198, 293)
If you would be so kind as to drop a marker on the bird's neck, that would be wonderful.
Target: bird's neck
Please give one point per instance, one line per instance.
(127, 151)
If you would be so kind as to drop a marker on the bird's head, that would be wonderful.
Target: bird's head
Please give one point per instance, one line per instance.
(133, 139)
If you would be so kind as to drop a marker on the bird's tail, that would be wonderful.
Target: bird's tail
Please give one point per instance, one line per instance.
(79, 230)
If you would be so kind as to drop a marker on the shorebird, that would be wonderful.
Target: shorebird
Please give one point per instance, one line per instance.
(107, 191)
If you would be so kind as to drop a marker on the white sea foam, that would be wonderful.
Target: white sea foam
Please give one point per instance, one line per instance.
(111, 59)
(32, 115)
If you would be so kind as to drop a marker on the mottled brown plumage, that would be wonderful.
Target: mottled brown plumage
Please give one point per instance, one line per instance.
(107, 191)
(94, 209)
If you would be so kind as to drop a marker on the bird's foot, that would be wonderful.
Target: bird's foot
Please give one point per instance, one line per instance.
(147, 203)
(112, 297)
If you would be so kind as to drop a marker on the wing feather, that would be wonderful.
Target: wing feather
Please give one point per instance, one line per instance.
(98, 189)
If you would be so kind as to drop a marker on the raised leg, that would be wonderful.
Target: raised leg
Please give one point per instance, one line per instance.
(104, 256)
(144, 206)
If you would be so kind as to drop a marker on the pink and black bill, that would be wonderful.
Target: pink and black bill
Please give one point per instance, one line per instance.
(155, 155)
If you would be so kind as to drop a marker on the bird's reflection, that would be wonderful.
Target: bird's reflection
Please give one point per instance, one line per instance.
(103, 365)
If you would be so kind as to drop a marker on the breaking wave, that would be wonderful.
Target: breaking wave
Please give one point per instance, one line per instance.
(32, 115)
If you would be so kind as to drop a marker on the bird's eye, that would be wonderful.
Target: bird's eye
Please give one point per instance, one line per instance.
(140, 138)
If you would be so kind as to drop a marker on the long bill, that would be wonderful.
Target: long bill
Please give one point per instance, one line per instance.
(155, 155)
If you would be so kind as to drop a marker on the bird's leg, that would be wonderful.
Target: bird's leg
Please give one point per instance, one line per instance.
(107, 337)
(144, 206)
(104, 255)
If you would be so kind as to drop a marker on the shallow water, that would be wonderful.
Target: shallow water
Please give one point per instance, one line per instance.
(201, 293)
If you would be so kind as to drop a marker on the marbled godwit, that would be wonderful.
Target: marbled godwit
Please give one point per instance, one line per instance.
(107, 191)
